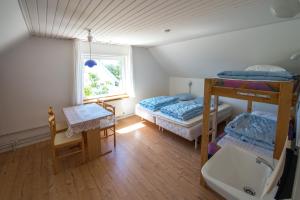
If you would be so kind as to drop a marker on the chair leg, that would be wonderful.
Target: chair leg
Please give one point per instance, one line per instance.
(54, 160)
(114, 130)
(196, 143)
(83, 151)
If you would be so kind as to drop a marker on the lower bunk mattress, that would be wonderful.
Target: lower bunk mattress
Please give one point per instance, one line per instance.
(256, 150)
(190, 129)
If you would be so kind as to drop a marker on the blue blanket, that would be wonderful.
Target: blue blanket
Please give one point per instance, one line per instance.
(156, 103)
(253, 129)
(183, 110)
(258, 75)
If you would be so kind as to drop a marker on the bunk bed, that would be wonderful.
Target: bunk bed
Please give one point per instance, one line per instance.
(281, 93)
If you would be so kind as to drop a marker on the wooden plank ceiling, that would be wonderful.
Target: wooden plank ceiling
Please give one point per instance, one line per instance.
(113, 19)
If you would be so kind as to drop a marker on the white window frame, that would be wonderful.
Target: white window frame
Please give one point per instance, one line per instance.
(124, 60)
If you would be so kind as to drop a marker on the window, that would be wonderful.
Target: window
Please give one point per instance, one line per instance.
(107, 78)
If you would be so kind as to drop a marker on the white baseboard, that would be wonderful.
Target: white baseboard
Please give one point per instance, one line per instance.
(124, 116)
(19, 139)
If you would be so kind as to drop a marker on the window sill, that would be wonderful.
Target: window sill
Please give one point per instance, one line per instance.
(106, 99)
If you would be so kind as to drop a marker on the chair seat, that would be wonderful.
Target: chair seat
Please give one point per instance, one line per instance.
(62, 140)
(61, 126)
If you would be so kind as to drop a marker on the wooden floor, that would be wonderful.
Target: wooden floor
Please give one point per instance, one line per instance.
(146, 164)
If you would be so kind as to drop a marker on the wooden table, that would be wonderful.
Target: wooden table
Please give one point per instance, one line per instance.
(88, 119)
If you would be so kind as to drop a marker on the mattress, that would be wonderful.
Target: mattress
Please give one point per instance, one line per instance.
(258, 75)
(192, 128)
(229, 140)
(145, 113)
(223, 110)
(254, 85)
(156, 103)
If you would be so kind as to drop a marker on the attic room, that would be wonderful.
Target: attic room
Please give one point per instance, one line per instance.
(150, 99)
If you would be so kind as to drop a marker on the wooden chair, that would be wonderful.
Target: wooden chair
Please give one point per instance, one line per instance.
(112, 127)
(60, 126)
(63, 146)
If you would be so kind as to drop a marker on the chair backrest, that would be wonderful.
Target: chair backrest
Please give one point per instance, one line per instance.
(50, 111)
(100, 103)
(52, 123)
(107, 106)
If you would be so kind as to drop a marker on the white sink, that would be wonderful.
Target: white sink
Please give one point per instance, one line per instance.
(232, 170)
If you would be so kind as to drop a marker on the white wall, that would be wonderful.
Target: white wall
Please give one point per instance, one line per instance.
(181, 85)
(13, 27)
(149, 78)
(38, 72)
(34, 74)
(206, 56)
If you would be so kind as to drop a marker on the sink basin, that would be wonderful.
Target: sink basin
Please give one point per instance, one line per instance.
(234, 174)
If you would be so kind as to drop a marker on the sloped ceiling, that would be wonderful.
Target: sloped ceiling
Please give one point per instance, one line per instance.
(142, 22)
(12, 24)
(205, 57)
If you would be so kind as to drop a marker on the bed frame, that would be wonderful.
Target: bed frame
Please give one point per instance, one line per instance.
(281, 93)
(193, 132)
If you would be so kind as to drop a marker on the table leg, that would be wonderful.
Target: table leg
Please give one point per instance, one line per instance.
(93, 143)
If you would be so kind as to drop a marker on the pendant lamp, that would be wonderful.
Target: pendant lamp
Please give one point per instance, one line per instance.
(90, 63)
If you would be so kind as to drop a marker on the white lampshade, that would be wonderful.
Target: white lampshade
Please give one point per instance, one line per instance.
(295, 56)
(285, 8)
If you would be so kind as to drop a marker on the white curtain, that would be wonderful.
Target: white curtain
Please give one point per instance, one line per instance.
(129, 74)
(78, 78)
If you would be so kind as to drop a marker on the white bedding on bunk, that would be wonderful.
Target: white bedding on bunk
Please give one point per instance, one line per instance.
(229, 140)
(223, 110)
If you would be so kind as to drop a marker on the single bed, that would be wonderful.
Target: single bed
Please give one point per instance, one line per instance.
(147, 108)
(145, 113)
(190, 129)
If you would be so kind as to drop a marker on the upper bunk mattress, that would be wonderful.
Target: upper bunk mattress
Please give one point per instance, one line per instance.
(259, 75)
(223, 111)
(254, 85)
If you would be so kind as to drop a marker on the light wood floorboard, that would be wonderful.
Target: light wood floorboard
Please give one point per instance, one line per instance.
(146, 164)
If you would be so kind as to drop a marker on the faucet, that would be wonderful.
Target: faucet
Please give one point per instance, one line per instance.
(260, 160)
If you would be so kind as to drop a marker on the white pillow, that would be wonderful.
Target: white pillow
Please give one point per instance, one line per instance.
(265, 68)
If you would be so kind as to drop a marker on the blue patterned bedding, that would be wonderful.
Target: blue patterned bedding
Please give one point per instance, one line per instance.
(253, 129)
(183, 110)
(156, 103)
(258, 75)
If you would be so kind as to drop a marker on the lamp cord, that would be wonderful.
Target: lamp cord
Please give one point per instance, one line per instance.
(90, 51)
